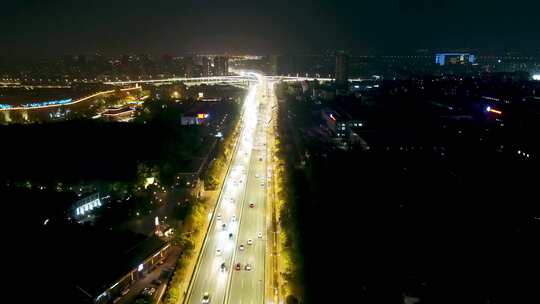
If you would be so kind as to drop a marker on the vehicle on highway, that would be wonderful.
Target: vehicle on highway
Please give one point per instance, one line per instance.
(260, 158)
(257, 175)
(259, 235)
(233, 218)
(161, 262)
(125, 291)
(223, 267)
(262, 185)
(224, 226)
(251, 205)
(148, 291)
(241, 247)
(238, 266)
(205, 298)
(219, 217)
(218, 251)
(157, 282)
(230, 235)
(248, 267)
(249, 241)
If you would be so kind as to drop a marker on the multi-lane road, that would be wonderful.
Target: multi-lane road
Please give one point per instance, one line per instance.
(231, 268)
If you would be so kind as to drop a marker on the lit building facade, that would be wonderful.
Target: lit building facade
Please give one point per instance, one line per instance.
(221, 66)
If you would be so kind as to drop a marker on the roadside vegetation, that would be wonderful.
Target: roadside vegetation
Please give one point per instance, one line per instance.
(287, 203)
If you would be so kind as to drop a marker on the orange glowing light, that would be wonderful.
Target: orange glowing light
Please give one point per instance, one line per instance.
(495, 111)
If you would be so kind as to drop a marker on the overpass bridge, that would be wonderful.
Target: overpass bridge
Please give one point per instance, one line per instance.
(243, 80)
(238, 79)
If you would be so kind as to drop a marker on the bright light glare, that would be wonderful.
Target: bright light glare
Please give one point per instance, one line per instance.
(229, 246)
(536, 77)
(495, 111)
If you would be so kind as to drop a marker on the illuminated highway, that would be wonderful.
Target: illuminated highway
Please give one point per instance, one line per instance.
(61, 103)
(249, 286)
(187, 80)
(243, 240)
(246, 78)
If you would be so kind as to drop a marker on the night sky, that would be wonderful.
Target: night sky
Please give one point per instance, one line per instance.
(51, 28)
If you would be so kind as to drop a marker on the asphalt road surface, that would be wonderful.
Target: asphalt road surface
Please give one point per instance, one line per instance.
(245, 184)
(247, 286)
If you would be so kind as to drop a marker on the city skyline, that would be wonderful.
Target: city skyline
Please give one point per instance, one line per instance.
(266, 152)
(41, 29)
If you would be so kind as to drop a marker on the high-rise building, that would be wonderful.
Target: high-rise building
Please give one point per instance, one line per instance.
(206, 67)
(283, 65)
(342, 68)
(221, 66)
(273, 65)
(188, 66)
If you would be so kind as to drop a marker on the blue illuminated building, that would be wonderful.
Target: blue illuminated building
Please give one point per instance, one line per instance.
(441, 58)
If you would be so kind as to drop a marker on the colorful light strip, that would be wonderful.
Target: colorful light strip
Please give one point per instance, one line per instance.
(67, 103)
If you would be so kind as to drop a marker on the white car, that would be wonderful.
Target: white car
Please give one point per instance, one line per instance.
(241, 247)
(259, 235)
(250, 241)
(205, 298)
(219, 217)
(218, 251)
(233, 218)
(248, 267)
(257, 175)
